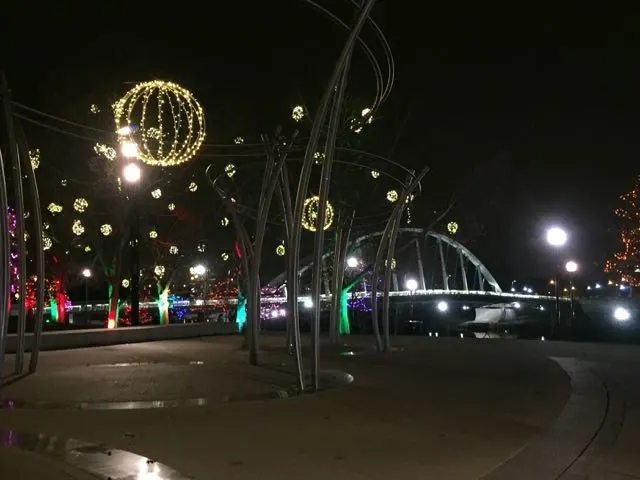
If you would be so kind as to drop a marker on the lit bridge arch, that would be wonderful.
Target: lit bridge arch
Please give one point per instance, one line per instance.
(452, 268)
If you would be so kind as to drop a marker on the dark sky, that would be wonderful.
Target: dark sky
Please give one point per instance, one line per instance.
(526, 114)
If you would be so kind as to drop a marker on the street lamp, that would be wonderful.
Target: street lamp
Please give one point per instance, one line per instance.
(86, 273)
(129, 149)
(571, 267)
(132, 175)
(412, 285)
(352, 262)
(557, 238)
(199, 270)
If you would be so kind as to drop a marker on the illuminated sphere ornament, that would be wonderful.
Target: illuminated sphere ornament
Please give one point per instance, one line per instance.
(173, 250)
(125, 283)
(64, 182)
(157, 193)
(80, 204)
(106, 229)
(224, 221)
(201, 247)
(310, 214)
(87, 248)
(47, 243)
(171, 207)
(224, 256)
(34, 156)
(318, 157)
(375, 173)
(238, 140)
(105, 151)
(170, 122)
(77, 228)
(392, 196)
(95, 109)
(297, 113)
(153, 234)
(280, 250)
(452, 227)
(159, 271)
(54, 208)
(230, 170)
(193, 186)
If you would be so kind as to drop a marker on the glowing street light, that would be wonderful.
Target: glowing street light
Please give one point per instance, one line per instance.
(621, 314)
(571, 266)
(132, 173)
(129, 149)
(86, 273)
(442, 306)
(199, 270)
(352, 262)
(556, 237)
(411, 284)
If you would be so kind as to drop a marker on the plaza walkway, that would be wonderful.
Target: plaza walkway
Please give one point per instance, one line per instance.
(436, 408)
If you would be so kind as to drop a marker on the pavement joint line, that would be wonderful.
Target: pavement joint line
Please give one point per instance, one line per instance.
(551, 454)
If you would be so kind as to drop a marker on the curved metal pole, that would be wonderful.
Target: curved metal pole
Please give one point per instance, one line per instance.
(293, 330)
(22, 258)
(16, 178)
(336, 286)
(312, 146)
(4, 265)
(402, 204)
(318, 246)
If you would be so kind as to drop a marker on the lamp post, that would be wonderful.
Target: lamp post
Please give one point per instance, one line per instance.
(86, 273)
(556, 238)
(132, 175)
(412, 285)
(571, 267)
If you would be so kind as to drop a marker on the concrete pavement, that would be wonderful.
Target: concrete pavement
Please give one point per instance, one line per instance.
(439, 408)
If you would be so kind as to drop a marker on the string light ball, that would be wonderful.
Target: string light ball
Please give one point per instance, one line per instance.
(157, 193)
(159, 271)
(105, 151)
(230, 170)
(280, 250)
(170, 122)
(34, 157)
(452, 228)
(193, 186)
(95, 109)
(54, 208)
(375, 173)
(47, 243)
(153, 234)
(201, 247)
(392, 196)
(77, 228)
(224, 221)
(80, 205)
(106, 229)
(224, 256)
(297, 113)
(318, 156)
(87, 248)
(310, 214)
(171, 207)
(238, 140)
(173, 250)
(125, 283)
(64, 182)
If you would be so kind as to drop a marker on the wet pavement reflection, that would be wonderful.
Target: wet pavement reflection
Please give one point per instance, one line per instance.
(98, 460)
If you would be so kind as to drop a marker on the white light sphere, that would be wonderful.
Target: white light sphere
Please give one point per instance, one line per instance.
(412, 284)
(442, 306)
(352, 262)
(556, 237)
(132, 173)
(571, 266)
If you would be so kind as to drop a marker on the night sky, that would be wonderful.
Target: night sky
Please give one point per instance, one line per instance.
(527, 115)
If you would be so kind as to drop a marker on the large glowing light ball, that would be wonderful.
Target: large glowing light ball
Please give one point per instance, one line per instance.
(571, 266)
(442, 306)
(170, 122)
(412, 285)
(556, 237)
(132, 173)
(310, 214)
(352, 262)
(621, 314)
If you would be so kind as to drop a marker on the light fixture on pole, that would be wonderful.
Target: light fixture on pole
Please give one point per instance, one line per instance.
(571, 267)
(86, 273)
(352, 262)
(132, 175)
(556, 238)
